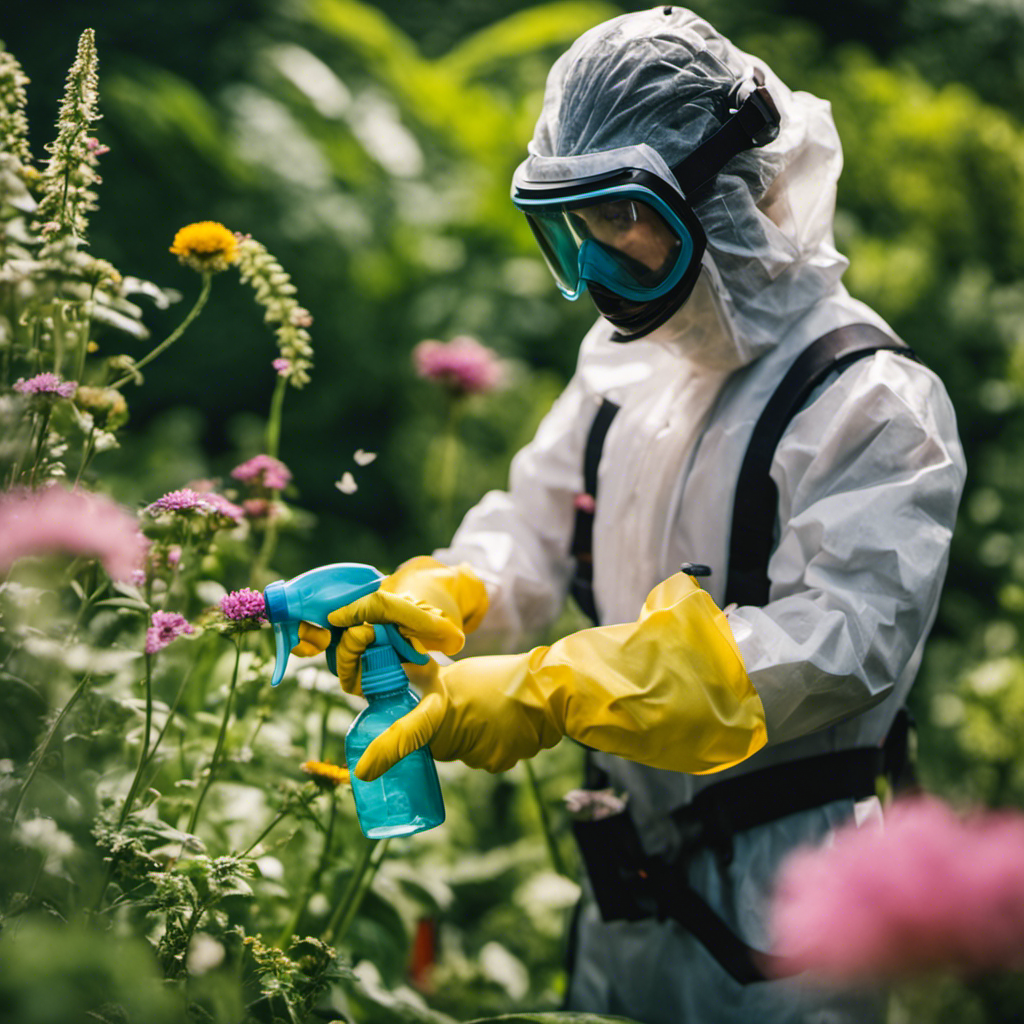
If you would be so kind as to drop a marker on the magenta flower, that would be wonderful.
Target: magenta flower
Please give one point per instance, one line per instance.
(165, 627)
(282, 366)
(928, 890)
(183, 500)
(462, 365)
(204, 503)
(76, 522)
(221, 506)
(265, 471)
(46, 384)
(259, 508)
(244, 604)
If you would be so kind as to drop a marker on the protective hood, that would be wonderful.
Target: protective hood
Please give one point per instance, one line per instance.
(664, 77)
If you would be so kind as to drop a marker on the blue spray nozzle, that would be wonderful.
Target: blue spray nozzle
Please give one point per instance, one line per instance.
(312, 596)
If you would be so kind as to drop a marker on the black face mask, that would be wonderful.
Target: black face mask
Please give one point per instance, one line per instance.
(633, 320)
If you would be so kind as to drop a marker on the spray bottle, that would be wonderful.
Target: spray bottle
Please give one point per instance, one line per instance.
(407, 797)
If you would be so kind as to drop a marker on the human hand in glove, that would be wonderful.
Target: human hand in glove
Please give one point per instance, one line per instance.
(433, 604)
(668, 690)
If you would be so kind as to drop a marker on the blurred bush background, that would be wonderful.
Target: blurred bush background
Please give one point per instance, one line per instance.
(370, 147)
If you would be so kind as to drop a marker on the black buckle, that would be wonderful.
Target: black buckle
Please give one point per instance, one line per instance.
(758, 115)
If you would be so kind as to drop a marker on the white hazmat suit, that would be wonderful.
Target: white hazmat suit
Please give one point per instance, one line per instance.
(869, 475)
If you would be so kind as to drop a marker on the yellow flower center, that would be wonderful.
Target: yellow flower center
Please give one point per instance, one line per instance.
(205, 246)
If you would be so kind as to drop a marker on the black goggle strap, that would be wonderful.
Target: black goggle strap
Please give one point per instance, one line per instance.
(750, 126)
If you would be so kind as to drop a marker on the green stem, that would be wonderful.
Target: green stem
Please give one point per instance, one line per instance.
(72, 700)
(273, 437)
(266, 553)
(313, 882)
(87, 447)
(83, 334)
(43, 426)
(144, 753)
(449, 468)
(204, 294)
(275, 821)
(545, 822)
(358, 885)
(170, 715)
(218, 749)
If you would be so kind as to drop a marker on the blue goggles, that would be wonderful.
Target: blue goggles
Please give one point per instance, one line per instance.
(628, 230)
(631, 234)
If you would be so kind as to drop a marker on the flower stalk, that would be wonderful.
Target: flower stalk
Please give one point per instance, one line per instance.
(219, 748)
(204, 294)
(545, 822)
(129, 800)
(371, 854)
(45, 745)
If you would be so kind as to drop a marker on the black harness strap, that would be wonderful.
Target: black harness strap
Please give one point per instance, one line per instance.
(582, 587)
(755, 506)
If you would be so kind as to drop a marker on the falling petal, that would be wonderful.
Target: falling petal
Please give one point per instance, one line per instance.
(347, 484)
(364, 458)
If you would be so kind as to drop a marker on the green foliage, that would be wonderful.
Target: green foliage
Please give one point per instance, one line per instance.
(52, 972)
(374, 161)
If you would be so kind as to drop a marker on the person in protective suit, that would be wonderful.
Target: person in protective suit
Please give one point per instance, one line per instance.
(682, 186)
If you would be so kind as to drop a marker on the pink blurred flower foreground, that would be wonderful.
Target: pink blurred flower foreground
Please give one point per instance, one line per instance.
(165, 627)
(927, 890)
(53, 519)
(46, 384)
(264, 470)
(244, 604)
(463, 365)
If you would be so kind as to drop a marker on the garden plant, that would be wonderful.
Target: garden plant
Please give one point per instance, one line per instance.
(177, 840)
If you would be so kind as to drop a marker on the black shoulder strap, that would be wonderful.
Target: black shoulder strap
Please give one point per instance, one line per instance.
(756, 503)
(582, 587)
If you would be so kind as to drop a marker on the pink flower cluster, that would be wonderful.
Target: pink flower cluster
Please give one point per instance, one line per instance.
(165, 627)
(244, 604)
(282, 366)
(46, 384)
(930, 889)
(462, 365)
(186, 499)
(265, 471)
(76, 522)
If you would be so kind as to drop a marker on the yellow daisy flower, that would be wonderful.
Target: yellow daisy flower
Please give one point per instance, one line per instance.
(206, 247)
(325, 774)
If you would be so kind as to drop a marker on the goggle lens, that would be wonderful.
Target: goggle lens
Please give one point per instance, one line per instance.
(626, 244)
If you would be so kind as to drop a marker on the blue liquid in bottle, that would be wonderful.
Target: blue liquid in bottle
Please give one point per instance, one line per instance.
(407, 798)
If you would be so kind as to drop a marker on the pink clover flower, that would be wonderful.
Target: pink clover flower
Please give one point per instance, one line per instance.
(165, 627)
(929, 889)
(462, 365)
(46, 384)
(264, 470)
(53, 519)
(244, 604)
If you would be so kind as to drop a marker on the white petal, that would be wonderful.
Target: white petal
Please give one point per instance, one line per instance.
(347, 484)
(364, 458)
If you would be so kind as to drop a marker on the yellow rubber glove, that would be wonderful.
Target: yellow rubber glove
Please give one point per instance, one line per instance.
(433, 604)
(668, 690)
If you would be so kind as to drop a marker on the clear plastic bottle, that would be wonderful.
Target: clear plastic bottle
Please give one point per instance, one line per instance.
(407, 798)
